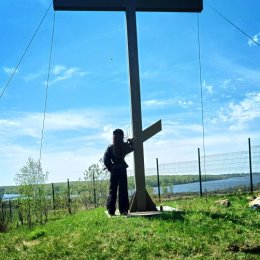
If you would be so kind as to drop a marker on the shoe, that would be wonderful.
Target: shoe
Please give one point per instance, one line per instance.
(124, 213)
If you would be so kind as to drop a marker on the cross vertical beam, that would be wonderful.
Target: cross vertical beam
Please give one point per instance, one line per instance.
(136, 105)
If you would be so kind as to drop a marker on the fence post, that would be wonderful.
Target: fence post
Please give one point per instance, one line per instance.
(199, 172)
(94, 189)
(250, 166)
(2, 207)
(53, 197)
(10, 211)
(158, 180)
(69, 199)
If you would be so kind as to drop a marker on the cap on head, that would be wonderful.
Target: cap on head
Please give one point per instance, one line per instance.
(118, 132)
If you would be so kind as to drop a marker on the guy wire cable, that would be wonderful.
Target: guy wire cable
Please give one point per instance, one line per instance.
(230, 22)
(202, 103)
(26, 49)
(46, 89)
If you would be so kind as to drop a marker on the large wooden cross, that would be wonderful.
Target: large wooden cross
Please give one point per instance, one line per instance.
(141, 200)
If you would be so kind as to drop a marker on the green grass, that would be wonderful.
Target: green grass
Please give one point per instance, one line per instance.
(204, 230)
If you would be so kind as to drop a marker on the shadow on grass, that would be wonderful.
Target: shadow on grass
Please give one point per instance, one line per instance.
(253, 250)
(228, 217)
(171, 216)
(247, 250)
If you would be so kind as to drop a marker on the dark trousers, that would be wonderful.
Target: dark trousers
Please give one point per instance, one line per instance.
(118, 180)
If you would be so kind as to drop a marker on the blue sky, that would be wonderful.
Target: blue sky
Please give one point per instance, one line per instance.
(88, 93)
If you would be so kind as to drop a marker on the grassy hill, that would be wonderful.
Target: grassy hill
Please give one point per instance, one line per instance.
(204, 230)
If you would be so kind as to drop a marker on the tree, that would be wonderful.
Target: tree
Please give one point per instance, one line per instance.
(32, 204)
(96, 183)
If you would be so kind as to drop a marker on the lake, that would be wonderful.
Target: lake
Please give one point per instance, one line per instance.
(226, 184)
(11, 196)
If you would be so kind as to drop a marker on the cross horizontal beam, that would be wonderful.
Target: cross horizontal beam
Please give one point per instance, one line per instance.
(152, 130)
(121, 5)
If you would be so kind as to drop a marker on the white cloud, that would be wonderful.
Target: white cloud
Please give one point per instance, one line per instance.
(63, 73)
(61, 165)
(70, 164)
(33, 76)
(9, 71)
(106, 134)
(8, 123)
(29, 125)
(13, 157)
(185, 103)
(255, 38)
(226, 83)
(178, 130)
(108, 130)
(58, 69)
(72, 141)
(58, 73)
(207, 87)
(155, 103)
(238, 115)
(63, 156)
(71, 120)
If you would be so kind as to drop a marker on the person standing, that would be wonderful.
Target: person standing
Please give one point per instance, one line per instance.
(114, 160)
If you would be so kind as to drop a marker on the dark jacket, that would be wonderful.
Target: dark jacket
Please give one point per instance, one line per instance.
(112, 162)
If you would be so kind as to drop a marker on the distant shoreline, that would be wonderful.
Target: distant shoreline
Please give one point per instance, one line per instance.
(170, 184)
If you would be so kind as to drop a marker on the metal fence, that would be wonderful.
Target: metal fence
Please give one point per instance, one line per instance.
(226, 172)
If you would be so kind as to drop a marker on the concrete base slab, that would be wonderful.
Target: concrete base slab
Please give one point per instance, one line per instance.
(167, 209)
(160, 209)
(144, 214)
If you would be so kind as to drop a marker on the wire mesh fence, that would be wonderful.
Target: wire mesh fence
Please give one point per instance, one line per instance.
(59, 199)
(226, 172)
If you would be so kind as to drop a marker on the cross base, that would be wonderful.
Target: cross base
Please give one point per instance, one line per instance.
(147, 206)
